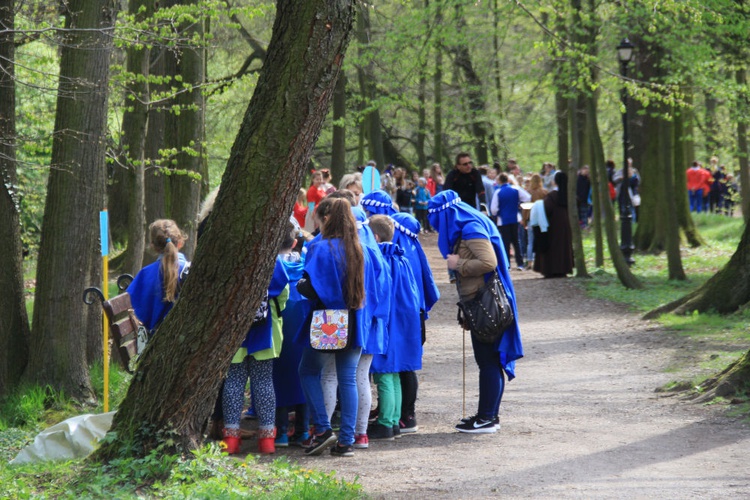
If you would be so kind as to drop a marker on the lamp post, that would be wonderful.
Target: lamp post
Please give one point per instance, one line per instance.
(625, 55)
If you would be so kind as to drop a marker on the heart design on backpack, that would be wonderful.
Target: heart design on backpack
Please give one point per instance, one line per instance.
(329, 328)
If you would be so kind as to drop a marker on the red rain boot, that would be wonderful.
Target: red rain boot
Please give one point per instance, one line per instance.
(266, 443)
(231, 442)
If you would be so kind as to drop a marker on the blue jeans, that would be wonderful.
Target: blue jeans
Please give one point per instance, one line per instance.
(696, 200)
(491, 378)
(530, 244)
(310, 368)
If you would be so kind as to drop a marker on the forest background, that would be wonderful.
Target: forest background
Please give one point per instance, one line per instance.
(134, 107)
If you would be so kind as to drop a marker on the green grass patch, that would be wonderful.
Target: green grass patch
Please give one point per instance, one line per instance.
(205, 474)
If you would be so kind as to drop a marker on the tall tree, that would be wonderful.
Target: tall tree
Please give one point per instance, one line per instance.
(368, 89)
(168, 396)
(14, 322)
(69, 253)
(743, 107)
(338, 144)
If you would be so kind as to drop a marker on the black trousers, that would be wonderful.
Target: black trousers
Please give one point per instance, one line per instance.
(409, 386)
(509, 233)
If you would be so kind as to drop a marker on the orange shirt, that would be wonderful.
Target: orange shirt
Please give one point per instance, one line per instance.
(696, 178)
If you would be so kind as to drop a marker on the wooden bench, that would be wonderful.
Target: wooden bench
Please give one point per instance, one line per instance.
(123, 324)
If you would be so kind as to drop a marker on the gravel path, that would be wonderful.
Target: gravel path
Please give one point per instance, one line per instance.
(582, 419)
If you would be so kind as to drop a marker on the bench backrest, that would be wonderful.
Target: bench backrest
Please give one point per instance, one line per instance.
(124, 327)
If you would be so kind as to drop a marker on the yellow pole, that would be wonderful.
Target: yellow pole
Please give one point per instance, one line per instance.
(105, 267)
(104, 235)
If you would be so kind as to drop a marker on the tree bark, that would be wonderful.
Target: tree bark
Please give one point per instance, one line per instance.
(14, 321)
(501, 137)
(742, 149)
(672, 230)
(174, 388)
(369, 92)
(437, 153)
(572, 171)
(683, 154)
(624, 274)
(725, 292)
(69, 255)
(190, 133)
(338, 143)
(134, 128)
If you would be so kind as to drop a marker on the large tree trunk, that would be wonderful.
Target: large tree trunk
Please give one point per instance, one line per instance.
(338, 143)
(725, 292)
(134, 127)
(179, 374)
(14, 321)
(69, 256)
(730, 382)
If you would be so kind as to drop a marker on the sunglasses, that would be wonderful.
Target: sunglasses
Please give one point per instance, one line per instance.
(466, 163)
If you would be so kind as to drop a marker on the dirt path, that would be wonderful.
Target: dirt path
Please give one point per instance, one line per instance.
(582, 419)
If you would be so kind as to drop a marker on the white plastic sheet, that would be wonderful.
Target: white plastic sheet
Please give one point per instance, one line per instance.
(75, 437)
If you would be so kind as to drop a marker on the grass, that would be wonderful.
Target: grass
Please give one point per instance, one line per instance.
(711, 341)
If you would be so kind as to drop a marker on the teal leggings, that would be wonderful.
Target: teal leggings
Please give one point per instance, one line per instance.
(389, 398)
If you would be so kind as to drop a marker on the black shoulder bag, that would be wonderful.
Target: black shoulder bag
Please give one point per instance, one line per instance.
(488, 314)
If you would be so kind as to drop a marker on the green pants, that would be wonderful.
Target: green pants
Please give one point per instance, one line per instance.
(389, 398)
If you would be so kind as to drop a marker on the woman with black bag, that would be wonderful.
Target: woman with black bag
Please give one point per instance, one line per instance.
(471, 244)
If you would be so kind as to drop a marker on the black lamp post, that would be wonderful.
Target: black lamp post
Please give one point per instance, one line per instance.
(625, 55)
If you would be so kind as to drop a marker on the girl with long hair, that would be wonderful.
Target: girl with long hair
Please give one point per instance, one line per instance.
(334, 278)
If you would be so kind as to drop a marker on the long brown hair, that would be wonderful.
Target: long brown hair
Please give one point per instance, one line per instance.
(337, 221)
(166, 238)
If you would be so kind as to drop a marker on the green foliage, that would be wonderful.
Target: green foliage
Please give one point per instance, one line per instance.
(119, 380)
(32, 406)
(205, 474)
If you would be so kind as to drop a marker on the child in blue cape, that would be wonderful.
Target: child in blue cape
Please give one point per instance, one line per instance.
(156, 286)
(255, 360)
(286, 382)
(406, 235)
(404, 352)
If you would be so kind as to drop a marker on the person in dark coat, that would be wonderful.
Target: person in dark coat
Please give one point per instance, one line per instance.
(557, 260)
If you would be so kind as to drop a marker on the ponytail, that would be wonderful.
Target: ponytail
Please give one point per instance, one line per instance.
(166, 238)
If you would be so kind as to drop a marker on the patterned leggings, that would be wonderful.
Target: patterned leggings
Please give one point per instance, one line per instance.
(261, 383)
(330, 384)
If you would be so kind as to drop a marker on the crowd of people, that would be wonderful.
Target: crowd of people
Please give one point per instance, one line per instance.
(711, 189)
(361, 252)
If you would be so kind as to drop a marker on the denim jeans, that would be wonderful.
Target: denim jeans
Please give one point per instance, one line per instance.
(530, 244)
(310, 369)
(491, 378)
(696, 200)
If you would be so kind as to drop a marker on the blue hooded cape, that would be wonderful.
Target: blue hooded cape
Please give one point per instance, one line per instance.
(147, 293)
(453, 218)
(378, 202)
(261, 337)
(377, 286)
(325, 265)
(406, 235)
(404, 324)
(286, 381)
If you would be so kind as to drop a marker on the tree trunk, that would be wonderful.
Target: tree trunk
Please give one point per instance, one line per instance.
(422, 116)
(683, 152)
(742, 149)
(572, 171)
(480, 127)
(624, 274)
(69, 255)
(369, 91)
(501, 138)
(724, 292)
(186, 184)
(180, 372)
(338, 143)
(14, 321)
(437, 152)
(672, 230)
(730, 382)
(134, 127)
(711, 126)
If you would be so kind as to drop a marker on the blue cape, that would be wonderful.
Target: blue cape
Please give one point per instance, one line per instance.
(261, 337)
(453, 218)
(147, 293)
(378, 202)
(286, 381)
(406, 235)
(377, 286)
(325, 264)
(404, 330)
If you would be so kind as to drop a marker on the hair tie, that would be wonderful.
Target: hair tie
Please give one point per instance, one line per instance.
(169, 240)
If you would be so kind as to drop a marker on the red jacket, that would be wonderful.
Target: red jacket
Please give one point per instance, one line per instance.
(697, 178)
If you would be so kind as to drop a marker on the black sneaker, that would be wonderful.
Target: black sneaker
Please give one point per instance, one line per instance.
(396, 432)
(380, 431)
(320, 443)
(409, 425)
(339, 450)
(495, 420)
(477, 425)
